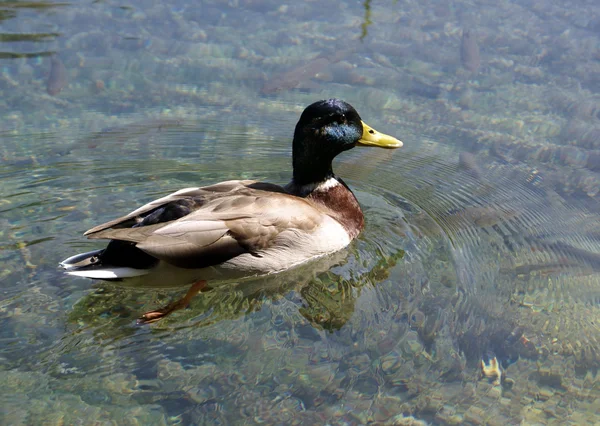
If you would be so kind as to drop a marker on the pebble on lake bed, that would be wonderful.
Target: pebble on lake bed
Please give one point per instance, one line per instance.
(492, 370)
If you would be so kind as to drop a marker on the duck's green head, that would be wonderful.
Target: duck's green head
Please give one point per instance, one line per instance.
(325, 129)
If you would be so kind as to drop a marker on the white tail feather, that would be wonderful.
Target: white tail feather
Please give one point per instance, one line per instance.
(109, 273)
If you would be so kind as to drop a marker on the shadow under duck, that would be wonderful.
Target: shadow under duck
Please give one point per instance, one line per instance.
(240, 228)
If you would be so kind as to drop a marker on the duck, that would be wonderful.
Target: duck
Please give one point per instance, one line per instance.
(233, 230)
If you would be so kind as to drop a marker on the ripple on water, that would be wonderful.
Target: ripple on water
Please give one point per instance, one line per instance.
(451, 265)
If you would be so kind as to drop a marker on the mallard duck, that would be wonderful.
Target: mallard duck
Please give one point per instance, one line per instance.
(240, 228)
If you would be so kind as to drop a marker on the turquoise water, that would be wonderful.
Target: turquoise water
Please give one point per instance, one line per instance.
(481, 240)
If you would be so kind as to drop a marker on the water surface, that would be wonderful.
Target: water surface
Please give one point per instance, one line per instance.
(481, 243)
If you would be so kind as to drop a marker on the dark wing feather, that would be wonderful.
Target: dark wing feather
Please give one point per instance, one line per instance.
(199, 195)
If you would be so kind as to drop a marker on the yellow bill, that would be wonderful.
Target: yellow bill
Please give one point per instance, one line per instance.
(372, 137)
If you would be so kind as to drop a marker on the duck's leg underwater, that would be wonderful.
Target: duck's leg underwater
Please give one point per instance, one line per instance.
(153, 316)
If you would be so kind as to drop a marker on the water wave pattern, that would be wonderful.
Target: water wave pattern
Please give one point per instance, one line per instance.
(453, 265)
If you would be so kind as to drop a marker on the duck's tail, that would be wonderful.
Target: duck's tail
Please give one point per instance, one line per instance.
(93, 265)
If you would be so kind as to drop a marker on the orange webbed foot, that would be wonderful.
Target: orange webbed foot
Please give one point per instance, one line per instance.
(153, 316)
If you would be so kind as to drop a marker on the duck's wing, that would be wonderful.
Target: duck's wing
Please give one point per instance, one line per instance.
(179, 204)
(200, 227)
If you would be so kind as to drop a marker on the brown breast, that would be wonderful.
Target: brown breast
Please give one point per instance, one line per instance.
(341, 204)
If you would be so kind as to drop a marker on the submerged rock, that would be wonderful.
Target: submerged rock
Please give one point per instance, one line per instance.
(58, 76)
(468, 163)
(469, 51)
